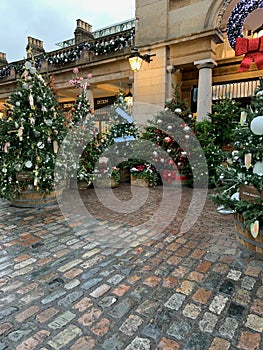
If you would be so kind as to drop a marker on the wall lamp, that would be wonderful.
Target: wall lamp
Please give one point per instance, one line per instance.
(136, 59)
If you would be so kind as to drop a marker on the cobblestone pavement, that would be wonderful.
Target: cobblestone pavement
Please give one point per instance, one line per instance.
(68, 281)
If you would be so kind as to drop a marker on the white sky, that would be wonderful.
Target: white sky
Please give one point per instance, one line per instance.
(53, 21)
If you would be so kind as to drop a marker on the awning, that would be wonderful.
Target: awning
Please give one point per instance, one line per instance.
(234, 90)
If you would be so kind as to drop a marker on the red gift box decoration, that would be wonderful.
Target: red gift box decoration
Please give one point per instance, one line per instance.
(253, 51)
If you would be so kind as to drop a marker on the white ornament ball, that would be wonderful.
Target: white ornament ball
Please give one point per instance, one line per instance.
(40, 145)
(33, 70)
(256, 125)
(28, 164)
(187, 129)
(178, 110)
(28, 65)
(258, 168)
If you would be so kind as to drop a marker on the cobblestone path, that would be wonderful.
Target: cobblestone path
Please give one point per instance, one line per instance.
(74, 281)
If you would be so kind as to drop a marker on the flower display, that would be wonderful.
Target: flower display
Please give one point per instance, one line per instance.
(146, 172)
(79, 82)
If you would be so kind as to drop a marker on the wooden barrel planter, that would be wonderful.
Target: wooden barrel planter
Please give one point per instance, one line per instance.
(101, 182)
(250, 244)
(137, 181)
(30, 198)
(247, 243)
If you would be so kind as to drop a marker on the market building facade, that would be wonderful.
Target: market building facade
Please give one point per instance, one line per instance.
(190, 43)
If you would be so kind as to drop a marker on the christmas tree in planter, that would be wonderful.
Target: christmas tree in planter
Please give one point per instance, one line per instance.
(30, 136)
(170, 129)
(241, 179)
(120, 137)
(81, 149)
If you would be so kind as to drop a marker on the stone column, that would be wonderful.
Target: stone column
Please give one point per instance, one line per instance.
(90, 97)
(170, 69)
(204, 98)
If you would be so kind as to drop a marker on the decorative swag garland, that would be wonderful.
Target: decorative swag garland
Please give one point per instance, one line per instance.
(66, 56)
(237, 18)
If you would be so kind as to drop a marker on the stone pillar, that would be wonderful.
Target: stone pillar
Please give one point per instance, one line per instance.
(170, 70)
(90, 97)
(204, 98)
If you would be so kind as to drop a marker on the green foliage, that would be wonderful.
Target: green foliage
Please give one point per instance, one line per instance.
(178, 105)
(224, 118)
(205, 133)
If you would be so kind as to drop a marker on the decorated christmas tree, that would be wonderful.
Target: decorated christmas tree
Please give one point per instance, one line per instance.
(206, 135)
(241, 179)
(122, 127)
(118, 141)
(30, 136)
(82, 147)
(170, 130)
(224, 119)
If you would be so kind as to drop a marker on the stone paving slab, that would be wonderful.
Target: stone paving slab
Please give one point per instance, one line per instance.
(72, 281)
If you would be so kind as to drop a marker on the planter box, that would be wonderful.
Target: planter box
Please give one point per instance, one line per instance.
(247, 243)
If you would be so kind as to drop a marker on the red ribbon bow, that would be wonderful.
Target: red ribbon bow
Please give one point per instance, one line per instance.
(253, 51)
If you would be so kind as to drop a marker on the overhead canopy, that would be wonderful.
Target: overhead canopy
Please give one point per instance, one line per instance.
(234, 90)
